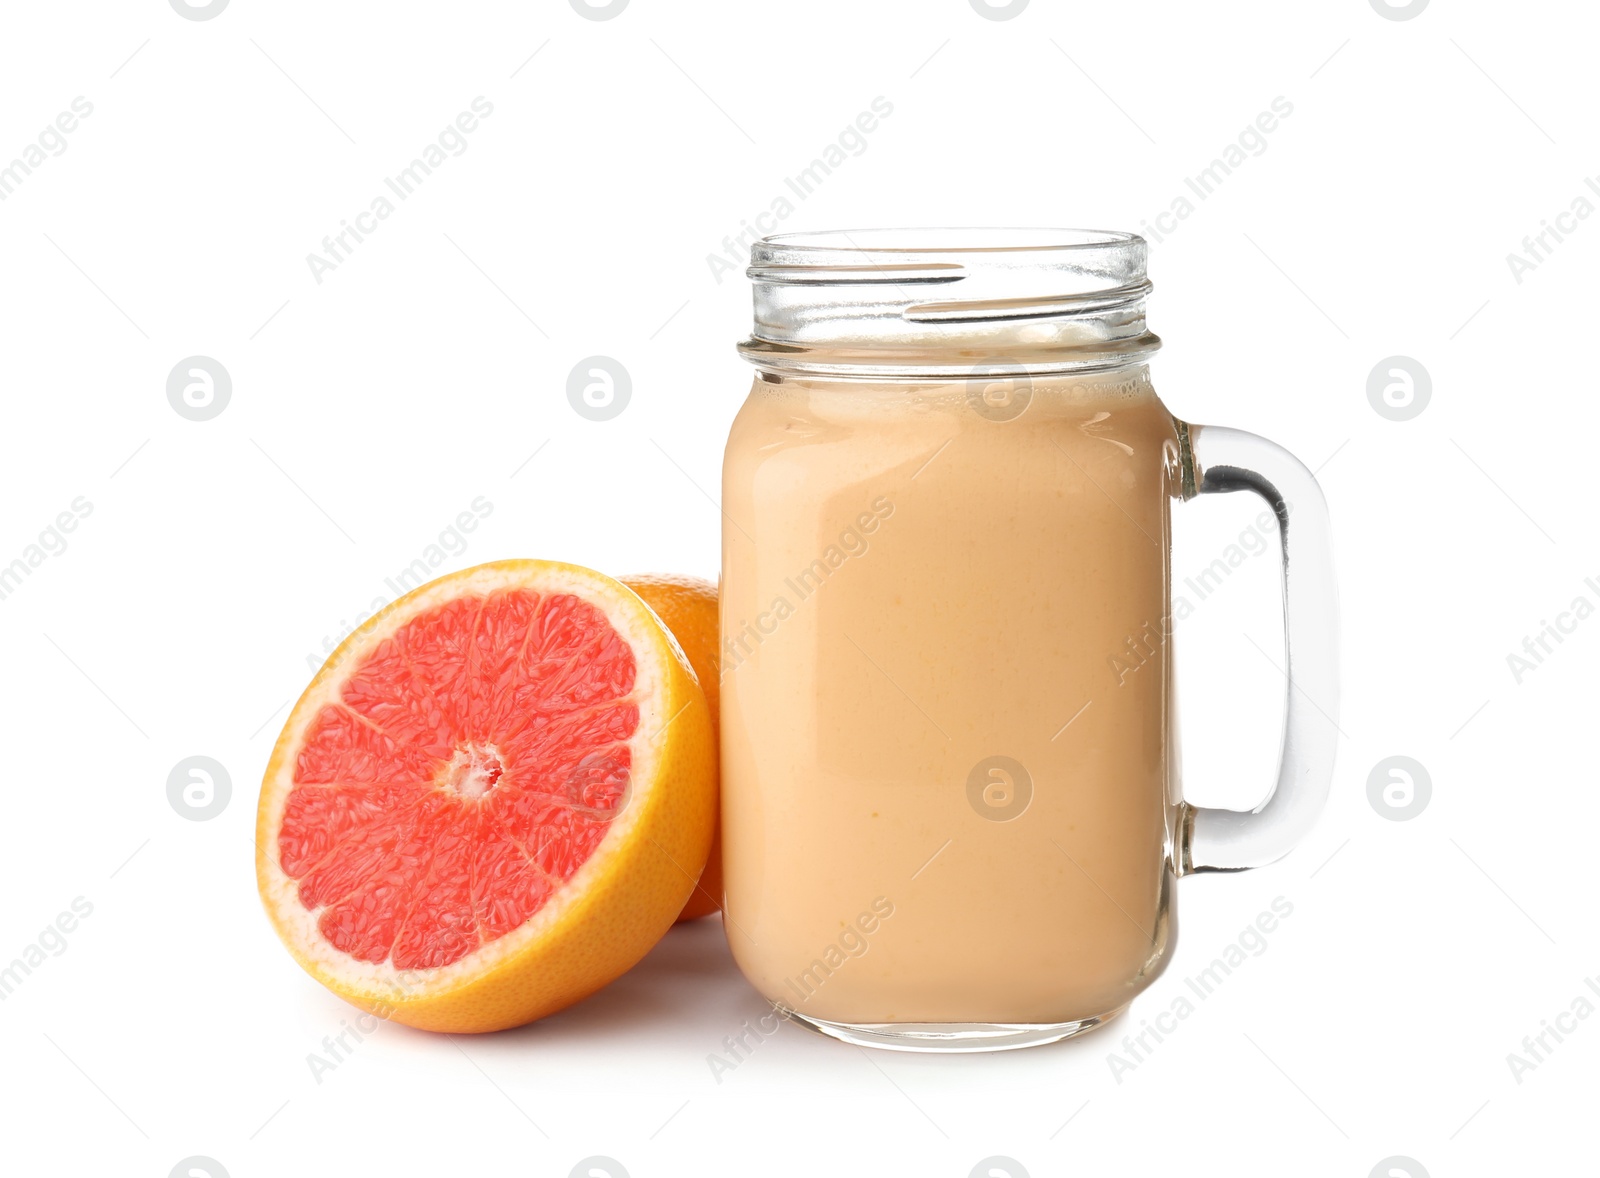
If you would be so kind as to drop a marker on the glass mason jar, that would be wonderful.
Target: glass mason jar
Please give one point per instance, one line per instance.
(952, 816)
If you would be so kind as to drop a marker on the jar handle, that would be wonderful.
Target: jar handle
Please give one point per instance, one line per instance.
(1217, 460)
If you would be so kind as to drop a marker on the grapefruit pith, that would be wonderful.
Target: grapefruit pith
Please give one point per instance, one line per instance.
(492, 800)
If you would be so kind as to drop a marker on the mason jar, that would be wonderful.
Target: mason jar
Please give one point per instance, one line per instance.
(952, 806)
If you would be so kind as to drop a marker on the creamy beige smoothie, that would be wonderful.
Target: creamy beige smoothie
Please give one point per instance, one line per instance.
(946, 777)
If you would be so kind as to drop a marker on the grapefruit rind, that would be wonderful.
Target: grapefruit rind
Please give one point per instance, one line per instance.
(689, 606)
(618, 902)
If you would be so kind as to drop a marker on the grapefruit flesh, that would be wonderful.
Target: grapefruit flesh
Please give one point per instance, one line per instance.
(494, 799)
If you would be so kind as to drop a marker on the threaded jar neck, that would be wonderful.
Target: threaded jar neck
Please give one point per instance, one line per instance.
(878, 303)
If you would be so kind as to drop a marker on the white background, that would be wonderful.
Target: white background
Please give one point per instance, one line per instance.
(369, 409)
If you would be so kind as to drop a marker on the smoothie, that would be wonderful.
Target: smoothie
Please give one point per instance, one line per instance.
(952, 642)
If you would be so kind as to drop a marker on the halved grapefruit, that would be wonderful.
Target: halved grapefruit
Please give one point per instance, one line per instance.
(492, 800)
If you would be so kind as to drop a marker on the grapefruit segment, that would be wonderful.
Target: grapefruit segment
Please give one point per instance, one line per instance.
(493, 799)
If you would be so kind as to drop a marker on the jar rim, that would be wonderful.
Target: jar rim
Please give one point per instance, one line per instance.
(948, 239)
